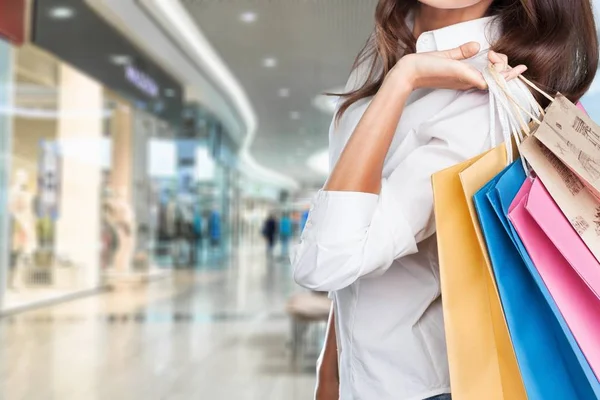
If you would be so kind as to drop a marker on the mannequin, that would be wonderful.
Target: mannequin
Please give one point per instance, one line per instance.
(24, 236)
(109, 230)
(123, 219)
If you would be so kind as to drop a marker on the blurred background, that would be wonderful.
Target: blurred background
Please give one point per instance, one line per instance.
(157, 163)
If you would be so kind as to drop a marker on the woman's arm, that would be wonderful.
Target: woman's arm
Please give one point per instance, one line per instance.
(328, 381)
(361, 222)
(360, 166)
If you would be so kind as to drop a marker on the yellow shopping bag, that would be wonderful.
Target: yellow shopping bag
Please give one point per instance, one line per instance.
(482, 360)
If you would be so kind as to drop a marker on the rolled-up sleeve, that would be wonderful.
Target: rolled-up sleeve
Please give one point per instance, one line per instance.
(351, 235)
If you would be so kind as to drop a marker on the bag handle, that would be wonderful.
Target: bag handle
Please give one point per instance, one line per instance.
(502, 84)
(499, 105)
(536, 88)
(509, 112)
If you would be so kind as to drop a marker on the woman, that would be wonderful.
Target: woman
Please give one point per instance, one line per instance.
(415, 104)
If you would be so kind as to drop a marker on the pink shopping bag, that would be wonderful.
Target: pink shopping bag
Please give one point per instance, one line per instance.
(561, 273)
(555, 225)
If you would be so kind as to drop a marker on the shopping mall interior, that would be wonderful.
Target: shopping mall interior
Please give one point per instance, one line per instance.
(144, 144)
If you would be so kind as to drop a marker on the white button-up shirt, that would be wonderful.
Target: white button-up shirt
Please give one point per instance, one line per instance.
(377, 254)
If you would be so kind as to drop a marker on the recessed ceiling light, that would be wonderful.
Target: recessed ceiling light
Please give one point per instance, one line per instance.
(284, 92)
(270, 62)
(120, 59)
(295, 115)
(248, 17)
(61, 12)
(170, 92)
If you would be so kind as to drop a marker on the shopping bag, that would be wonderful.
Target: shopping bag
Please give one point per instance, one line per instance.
(548, 216)
(481, 358)
(549, 366)
(578, 205)
(571, 135)
(533, 216)
(508, 192)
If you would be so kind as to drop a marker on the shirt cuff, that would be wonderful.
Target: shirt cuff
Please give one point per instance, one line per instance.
(344, 216)
(395, 218)
(337, 214)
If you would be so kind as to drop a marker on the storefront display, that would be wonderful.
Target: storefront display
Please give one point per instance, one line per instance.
(74, 201)
(53, 180)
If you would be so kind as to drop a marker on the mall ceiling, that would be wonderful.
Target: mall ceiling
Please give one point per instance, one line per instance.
(286, 53)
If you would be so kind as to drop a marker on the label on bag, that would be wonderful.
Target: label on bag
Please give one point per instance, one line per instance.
(574, 138)
(575, 200)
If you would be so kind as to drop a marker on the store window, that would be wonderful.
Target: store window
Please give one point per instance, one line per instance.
(54, 180)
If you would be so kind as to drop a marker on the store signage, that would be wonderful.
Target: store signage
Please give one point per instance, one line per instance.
(141, 81)
(12, 20)
(93, 46)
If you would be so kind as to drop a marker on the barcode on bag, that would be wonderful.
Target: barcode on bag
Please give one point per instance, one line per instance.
(580, 225)
(571, 181)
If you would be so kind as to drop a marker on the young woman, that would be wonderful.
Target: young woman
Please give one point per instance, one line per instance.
(415, 104)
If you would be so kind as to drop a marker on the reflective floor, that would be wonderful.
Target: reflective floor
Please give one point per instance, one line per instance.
(217, 332)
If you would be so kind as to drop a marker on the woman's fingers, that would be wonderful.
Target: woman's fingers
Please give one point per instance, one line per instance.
(500, 62)
(463, 52)
(514, 72)
(471, 77)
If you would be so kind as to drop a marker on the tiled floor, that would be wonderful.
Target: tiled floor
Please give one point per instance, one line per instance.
(214, 333)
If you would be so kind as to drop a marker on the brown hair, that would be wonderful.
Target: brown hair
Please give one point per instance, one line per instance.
(556, 39)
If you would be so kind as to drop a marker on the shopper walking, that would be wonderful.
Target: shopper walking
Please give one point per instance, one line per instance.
(269, 232)
(416, 103)
(285, 233)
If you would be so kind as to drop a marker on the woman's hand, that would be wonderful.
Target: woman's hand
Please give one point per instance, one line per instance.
(359, 168)
(444, 69)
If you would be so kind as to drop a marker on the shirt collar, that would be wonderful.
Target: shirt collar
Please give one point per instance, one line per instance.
(485, 31)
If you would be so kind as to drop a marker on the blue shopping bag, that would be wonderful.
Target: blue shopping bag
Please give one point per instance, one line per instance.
(551, 363)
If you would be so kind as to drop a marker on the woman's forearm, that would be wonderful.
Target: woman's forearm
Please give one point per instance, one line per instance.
(328, 361)
(359, 168)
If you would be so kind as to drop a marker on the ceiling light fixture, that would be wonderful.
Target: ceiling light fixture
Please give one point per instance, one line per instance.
(61, 12)
(270, 62)
(120, 59)
(248, 17)
(180, 23)
(295, 115)
(284, 92)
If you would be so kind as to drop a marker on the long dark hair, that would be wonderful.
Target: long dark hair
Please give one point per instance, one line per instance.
(556, 39)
